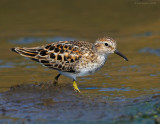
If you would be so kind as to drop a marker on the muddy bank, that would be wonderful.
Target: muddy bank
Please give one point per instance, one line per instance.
(47, 103)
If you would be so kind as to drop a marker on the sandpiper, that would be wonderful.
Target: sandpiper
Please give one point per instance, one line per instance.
(72, 58)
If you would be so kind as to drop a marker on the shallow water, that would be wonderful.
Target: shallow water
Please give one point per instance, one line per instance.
(124, 92)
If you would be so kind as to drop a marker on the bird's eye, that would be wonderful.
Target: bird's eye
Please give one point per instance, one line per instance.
(106, 44)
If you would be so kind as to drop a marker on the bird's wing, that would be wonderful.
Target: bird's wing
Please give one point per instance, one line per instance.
(62, 55)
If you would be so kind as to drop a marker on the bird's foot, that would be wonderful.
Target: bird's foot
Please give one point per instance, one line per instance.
(76, 87)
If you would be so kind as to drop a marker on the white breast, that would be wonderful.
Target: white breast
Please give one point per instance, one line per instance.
(92, 66)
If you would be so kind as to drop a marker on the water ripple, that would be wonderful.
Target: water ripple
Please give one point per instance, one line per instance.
(7, 65)
(150, 50)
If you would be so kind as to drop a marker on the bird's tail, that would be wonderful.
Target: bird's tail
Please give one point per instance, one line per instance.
(27, 52)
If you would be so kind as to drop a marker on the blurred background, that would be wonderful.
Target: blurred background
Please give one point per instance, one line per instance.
(134, 24)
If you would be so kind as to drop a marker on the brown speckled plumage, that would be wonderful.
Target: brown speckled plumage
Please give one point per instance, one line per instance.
(62, 55)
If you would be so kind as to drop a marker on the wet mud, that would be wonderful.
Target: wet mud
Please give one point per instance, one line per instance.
(46, 103)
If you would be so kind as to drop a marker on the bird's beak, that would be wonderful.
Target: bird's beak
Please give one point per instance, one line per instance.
(120, 54)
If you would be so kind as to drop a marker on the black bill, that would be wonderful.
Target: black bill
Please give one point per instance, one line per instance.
(120, 54)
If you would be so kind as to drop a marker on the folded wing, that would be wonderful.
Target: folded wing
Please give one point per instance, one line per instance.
(62, 55)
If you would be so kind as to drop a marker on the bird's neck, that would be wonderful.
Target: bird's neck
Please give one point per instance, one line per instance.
(102, 57)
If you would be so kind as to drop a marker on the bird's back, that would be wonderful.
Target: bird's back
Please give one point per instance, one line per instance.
(62, 55)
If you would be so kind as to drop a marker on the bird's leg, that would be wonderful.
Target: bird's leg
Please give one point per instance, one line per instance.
(56, 79)
(75, 86)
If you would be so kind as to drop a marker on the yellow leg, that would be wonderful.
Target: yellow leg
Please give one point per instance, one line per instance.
(75, 87)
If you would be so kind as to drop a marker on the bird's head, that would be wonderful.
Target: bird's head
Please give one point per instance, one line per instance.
(107, 45)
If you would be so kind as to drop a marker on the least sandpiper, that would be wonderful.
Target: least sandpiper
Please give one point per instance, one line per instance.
(72, 58)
